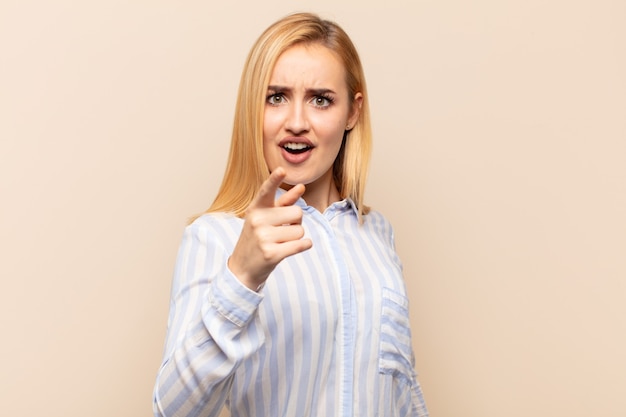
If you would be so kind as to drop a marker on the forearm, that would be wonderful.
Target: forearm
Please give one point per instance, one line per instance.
(196, 376)
(193, 381)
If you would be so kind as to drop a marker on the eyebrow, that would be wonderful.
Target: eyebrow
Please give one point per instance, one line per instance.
(310, 91)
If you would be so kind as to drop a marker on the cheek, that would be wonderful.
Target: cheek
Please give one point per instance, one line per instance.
(331, 128)
(270, 124)
(268, 136)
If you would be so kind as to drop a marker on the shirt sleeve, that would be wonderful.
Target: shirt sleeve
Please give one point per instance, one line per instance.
(211, 327)
(417, 397)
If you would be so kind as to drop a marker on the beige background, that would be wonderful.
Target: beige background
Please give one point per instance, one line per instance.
(500, 131)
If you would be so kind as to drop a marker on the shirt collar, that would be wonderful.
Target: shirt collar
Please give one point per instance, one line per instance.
(337, 207)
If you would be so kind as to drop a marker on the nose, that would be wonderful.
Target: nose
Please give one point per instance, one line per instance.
(297, 122)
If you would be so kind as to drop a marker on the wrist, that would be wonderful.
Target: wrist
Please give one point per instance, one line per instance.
(245, 278)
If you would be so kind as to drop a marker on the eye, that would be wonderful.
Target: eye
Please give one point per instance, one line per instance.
(275, 99)
(322, 101)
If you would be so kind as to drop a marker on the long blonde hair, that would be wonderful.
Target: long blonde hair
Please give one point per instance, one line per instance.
(246, 168)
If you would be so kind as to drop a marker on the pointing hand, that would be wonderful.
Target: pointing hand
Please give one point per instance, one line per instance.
(272, 231)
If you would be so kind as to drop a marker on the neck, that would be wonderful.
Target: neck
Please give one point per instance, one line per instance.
(322, 193)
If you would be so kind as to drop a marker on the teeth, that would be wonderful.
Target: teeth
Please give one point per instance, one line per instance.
(292, 146)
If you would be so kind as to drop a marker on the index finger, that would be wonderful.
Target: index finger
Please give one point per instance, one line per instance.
(267, 192)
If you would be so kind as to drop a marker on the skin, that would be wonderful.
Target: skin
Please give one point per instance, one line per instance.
(307, 101)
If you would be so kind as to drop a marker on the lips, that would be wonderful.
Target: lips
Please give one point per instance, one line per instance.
(296, 150)
(295, 147)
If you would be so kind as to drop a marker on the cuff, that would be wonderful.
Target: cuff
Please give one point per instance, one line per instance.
(233, 300)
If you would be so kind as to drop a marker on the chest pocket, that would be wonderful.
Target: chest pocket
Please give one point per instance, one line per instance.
(396, 353)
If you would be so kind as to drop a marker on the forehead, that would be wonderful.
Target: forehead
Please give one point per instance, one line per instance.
(311, 64)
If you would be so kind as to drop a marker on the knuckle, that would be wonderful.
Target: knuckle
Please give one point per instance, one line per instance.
(267, 254)
(254, 219)
(298, 214)
(262, 192)
(263, 235)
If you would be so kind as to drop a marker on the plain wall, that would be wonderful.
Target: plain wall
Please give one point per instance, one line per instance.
(500, 147)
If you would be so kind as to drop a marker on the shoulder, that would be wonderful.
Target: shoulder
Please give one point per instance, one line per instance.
(211, 226)
(377, 223)
(371, 218)
(376, 219)
(213, 219)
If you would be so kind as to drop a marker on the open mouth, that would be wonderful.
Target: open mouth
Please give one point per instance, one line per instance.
(296, 148)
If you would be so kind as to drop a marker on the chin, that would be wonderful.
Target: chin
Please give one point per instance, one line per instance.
(291, 181)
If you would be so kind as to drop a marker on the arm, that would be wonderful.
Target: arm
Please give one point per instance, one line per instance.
(210, 329)
(417, 397)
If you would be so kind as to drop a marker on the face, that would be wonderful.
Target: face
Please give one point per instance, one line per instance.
(307, 110)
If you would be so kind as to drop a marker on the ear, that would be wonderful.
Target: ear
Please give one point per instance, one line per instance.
(355, 111)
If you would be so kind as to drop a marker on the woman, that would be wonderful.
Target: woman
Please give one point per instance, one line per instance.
(288, 297)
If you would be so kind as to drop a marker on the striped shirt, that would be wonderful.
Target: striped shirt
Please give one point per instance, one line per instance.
(327, 335)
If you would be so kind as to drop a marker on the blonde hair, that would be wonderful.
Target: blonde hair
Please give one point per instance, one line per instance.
(246, 167)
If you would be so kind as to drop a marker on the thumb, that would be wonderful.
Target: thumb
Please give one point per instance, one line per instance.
(291, 196)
